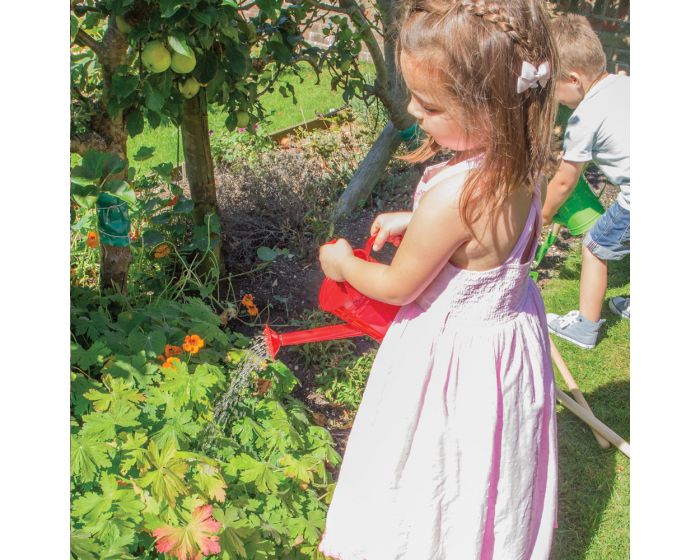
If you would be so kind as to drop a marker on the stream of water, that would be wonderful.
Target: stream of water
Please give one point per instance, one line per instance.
(253, 359)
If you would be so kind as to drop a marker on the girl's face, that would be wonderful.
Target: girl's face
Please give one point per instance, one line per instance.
(429, 111)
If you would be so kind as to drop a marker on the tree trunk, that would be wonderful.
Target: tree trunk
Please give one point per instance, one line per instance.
(391, 92)
(199, 169)
(114, 261)
(370, 171)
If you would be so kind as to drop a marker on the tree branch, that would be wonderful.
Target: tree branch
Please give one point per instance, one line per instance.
(330, 7)
(83, 39)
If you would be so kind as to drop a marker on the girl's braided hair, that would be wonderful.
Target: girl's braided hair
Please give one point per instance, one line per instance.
(473, 51)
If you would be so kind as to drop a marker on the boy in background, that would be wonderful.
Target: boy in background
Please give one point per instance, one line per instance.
(598, 131)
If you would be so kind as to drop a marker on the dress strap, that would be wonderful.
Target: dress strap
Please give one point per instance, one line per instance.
(528, 236)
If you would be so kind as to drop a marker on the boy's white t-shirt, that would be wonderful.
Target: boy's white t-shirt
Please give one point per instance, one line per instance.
(599, 130)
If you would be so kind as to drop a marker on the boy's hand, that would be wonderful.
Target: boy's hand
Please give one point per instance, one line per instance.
(389, 227)
(332, 255)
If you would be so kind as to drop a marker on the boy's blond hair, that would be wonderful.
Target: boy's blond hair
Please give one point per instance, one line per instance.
(579, 48)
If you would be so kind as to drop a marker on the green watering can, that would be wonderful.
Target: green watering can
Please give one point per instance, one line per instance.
(578, 213)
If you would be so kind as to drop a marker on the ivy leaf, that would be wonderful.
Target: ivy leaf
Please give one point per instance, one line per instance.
(87, 456)
(167, 474)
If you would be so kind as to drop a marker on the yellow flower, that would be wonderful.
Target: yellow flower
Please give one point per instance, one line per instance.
(170, 362)
(171, 350)
(163, 250)
(92, 241)
(193, 343)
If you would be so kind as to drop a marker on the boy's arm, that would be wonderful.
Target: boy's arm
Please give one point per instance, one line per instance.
(559, 188)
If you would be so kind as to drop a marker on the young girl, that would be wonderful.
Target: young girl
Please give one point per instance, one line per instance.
(453, 452)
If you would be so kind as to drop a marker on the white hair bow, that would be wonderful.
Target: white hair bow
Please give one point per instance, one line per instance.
(531, 76)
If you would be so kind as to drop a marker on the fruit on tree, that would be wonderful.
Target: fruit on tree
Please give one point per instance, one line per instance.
(189, 88)
(183, 64)
(156, 57)
(123, 25)
(242, 119)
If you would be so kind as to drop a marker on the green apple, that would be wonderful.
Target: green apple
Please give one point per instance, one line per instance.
(183, 64)
(156, 57)
(190, 88)
(123, 25)
(242, 119)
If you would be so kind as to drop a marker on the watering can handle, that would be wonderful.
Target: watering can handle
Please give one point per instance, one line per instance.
(369, 244)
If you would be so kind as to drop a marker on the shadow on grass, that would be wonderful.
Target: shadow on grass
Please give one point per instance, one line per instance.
(589, 480)
(618, 271)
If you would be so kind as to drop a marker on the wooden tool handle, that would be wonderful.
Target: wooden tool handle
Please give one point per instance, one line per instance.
(573, 387)
(593, 422)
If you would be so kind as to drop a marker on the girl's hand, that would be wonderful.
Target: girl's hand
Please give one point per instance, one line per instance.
(389, 227)
(332, 255)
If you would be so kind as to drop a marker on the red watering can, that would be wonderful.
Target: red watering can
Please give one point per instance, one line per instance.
(362, 315)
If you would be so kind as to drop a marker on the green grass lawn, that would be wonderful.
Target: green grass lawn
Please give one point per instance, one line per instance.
(594, 484)
(312, 98)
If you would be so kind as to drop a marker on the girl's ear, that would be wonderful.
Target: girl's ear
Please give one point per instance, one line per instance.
(574, 78)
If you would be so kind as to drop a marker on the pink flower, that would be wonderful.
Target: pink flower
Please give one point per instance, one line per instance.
(197, 538)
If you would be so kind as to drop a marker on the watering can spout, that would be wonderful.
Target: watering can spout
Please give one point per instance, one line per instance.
(362, 315)
(274, 340)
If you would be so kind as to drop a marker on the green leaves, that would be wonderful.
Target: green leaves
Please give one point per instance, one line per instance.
(261, 473)
(96, 166)
(87, 457)
(169, 7)
(167, 472)
(144, 153)
(178, 42)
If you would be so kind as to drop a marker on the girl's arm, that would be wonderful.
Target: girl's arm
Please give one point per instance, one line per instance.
(434, 233)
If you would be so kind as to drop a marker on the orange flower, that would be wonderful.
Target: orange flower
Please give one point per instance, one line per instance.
(247, 300)
(171, 350)
(161, 357)
(193, 343)
(163, 250)
(92, 241)
(252, 310)
(170, 362)
(173, 201)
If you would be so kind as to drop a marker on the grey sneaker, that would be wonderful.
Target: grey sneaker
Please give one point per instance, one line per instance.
(574, 328)
(620, 306)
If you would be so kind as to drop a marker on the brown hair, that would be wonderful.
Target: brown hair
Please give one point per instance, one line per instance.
(476, 50)
(578, 45)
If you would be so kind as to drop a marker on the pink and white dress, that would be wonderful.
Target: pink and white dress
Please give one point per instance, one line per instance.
(453, 452)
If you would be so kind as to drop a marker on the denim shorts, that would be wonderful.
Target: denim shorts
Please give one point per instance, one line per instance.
(609, 238)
